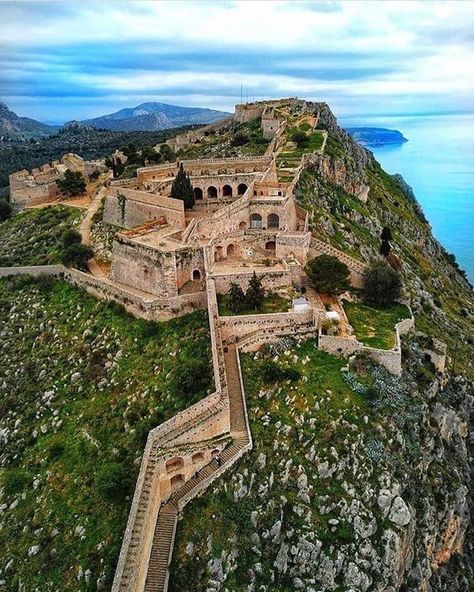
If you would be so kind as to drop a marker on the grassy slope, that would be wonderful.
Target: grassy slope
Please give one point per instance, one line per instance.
(33, 237)
(374, 326)
(81, 383)
(280, 421)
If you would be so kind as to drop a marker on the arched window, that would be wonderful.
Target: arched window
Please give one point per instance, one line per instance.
(176, 481)
(241, 189)
(255, 221)
(270, 246)
(198, 193)
(227, 191)
(243, 225)
(197, 457)
(196, 274)
(173, 464)
(211, 192)
(230, 250)
(218, 254)
(273, 221)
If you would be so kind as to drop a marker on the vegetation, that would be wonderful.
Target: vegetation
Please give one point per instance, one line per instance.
(375, 325)
(5, 210)
(77, 255)
(255, 293)
(73, 183)
(182, 188)
(382, 284)
(84, 141)
(270, 303)
(236, 298)
(35, 237)
(77, 413)
(328, 274)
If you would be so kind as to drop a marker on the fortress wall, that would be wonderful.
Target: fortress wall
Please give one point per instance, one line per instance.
(234, 327)
(271, 280)
(293, 245)
(129, 208)
(188, 260)
(144, 269)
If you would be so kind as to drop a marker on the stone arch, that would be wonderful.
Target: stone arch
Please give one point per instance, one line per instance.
(197, 457)
(212, 192)
(241, 188)
(196, 274)
(218, 254)
(176, 481)
(256, 221)
(273, 221)
(270, 246)
(215, 452)
(242, 225)
(174, 463)
(230, 250)
(227, 191)
(198, 193)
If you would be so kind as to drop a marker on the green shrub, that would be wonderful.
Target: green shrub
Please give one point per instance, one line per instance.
(77, 255)
(328, 275)
(382, 284)
(113, 481)
(14, 480)
(73, 183)
(5, 210)
(272, 372)
(71, 237)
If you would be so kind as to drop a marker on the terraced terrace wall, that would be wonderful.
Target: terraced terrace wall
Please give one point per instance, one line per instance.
(271, 279)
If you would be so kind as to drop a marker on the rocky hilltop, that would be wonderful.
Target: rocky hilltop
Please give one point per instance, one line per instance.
(13, 127)
(354, 484)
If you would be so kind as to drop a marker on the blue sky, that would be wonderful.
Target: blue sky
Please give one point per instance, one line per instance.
(65, 60)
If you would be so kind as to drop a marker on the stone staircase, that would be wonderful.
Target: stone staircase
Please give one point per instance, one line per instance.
(163, 541)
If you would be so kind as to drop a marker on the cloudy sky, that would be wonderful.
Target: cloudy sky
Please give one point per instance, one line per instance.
(78, 59)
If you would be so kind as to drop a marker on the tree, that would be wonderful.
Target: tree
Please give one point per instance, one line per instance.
(237, 299)
(5, 210)
(73, 183)
(328, 275)
(113, 481)
(255, 292)
(167, 154)
(382, 284)
(386, 234)
(300, 139)
(385, 248)
(71, 237)
(76, 255)
(182, 188)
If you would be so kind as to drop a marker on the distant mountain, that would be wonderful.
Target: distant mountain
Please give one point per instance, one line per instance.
(13, 127)
(154, 117)
(376, 136)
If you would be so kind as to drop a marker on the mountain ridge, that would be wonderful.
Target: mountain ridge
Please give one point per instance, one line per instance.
(154, 116)
(14, 127)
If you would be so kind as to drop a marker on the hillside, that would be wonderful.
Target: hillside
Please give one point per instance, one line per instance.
(154, 117)
(13, 127)
(81, 383)
(376, 136)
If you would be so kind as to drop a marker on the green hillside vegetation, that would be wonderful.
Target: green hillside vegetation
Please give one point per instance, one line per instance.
(375, 326)
(324, 443)
(81, 384)
(34, 237)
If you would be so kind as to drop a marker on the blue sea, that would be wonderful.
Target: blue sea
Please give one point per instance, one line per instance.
(438, 162)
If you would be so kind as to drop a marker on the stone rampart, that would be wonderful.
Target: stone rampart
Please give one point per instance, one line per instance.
(128, 208)
(271, 280)
(234, 327)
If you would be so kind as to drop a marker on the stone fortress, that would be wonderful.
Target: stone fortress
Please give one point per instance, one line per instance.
(167, 261)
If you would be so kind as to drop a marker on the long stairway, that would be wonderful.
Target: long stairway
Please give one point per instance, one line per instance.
(163, 540)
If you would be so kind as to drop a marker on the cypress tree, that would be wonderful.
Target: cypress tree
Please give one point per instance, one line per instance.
(255, 292)
(182, 188)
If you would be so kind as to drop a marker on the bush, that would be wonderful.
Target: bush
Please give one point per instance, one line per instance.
(190, 376)
(255, 292)
(300, 139)
(77, 255)
(237, 299)
(5, 210)
(386, 234)
(73, 183)
(113, 481)
(382, 284)
(328, 275)
(385, 248)
(272, 372)
(240, 139)
(71, 237)
(14, 480)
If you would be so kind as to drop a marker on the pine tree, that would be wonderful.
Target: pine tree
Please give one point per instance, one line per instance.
(237, 299)
(386, 234)
(328, 275)
(255, 292)
(385, 248)
(182, 188)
